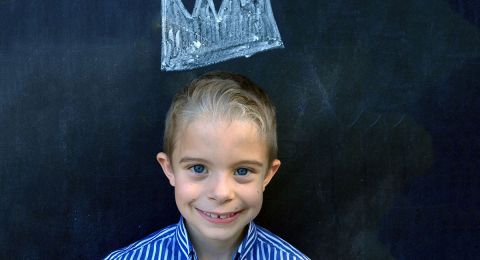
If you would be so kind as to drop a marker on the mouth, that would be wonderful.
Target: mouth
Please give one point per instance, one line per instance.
(219, 218)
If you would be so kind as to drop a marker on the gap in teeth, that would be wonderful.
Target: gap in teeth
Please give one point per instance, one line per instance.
(219, 216)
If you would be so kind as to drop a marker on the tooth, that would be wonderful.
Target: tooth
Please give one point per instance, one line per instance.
(214, 215)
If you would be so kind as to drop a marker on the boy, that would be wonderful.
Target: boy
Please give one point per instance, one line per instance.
(220, 153)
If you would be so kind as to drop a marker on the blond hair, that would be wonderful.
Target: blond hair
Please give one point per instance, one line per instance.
(221, 96)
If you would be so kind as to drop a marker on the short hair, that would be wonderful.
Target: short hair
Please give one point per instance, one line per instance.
(226, 96)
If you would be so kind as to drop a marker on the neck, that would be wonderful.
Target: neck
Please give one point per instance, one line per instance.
(214, 251)
(206, 248)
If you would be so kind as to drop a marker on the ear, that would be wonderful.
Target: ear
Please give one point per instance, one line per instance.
(164, 161)
(271, 172)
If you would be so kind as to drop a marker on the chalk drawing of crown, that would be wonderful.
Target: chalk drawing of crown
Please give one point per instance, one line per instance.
(204, 37)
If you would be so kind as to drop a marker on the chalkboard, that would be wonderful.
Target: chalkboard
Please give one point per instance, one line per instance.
(378, 123)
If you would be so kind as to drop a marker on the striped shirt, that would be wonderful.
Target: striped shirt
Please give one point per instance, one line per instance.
(172, 243)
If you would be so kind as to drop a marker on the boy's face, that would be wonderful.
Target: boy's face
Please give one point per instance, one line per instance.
(219, 171)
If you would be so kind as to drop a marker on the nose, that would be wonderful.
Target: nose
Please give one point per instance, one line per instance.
(221, 188)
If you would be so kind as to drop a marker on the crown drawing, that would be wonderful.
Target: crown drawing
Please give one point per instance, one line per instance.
(240, 28)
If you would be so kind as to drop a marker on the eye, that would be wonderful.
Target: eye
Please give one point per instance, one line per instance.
(242, 171)
(198, 168)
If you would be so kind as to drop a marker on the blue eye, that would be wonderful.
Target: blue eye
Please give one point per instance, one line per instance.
(198, 168)
(241, 171)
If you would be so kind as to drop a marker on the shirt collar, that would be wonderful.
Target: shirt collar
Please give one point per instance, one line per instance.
(186, 246)
(182, 238)
(248, 241)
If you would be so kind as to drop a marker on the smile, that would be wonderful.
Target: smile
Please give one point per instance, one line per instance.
(219, 218)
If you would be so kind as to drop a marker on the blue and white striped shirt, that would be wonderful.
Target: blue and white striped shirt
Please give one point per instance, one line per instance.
(172, 243)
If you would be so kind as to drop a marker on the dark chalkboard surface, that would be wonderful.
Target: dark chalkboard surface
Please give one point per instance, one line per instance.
(379, 134)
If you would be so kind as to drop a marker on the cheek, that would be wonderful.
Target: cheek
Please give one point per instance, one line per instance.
(186, 191)
(253, 197)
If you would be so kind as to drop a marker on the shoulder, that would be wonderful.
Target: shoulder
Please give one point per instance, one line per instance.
(276, 246)
(146, 246)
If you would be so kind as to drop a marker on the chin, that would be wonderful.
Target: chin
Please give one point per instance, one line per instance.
(221, 235)
(224, 234)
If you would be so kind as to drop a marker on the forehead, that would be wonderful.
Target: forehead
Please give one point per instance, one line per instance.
(221, 139)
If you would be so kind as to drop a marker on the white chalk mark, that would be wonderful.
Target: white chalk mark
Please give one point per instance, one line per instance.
(320, 86)
(375, 122)
(399, 122)
(204, 37)
(197, 44)
(356, 119)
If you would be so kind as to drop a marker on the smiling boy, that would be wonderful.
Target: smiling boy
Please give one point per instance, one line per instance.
(220, 153)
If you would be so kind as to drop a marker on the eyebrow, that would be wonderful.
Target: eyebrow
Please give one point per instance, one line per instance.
(250, 162)
(193, 159)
